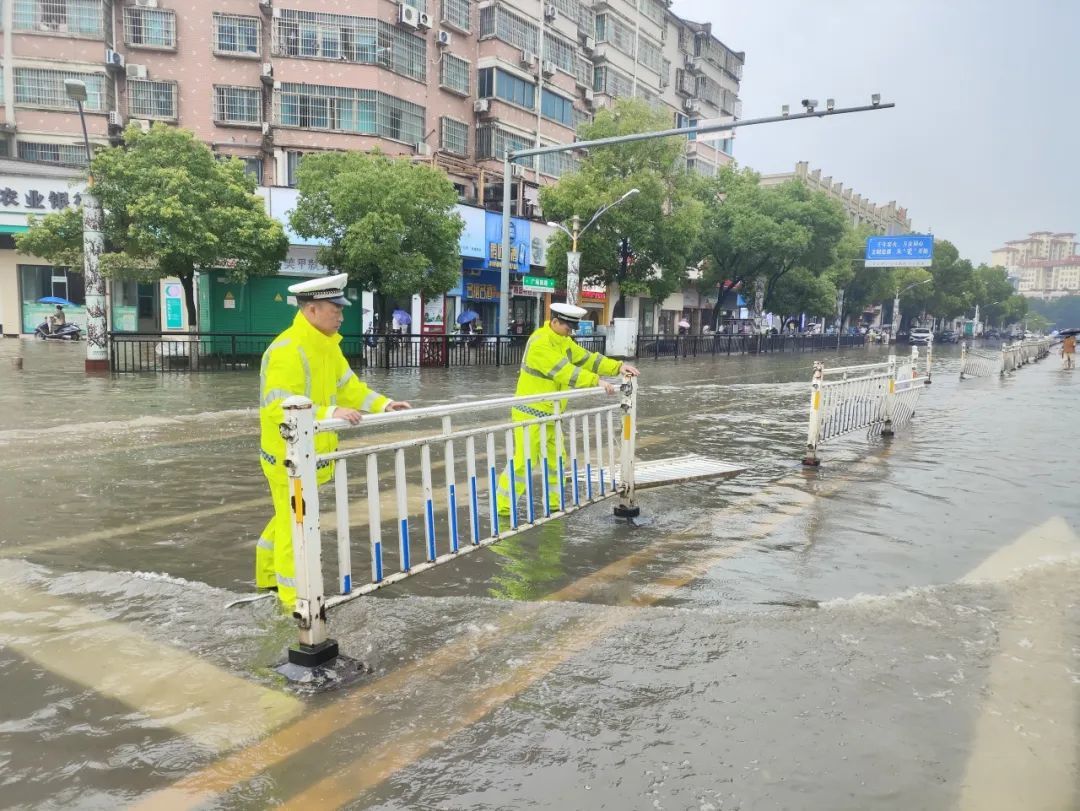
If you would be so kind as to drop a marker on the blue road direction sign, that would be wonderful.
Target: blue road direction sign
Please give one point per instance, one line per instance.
(900, 251)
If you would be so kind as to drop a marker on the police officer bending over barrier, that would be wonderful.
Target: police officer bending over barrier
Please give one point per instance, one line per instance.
(553, 362)
(305, 359)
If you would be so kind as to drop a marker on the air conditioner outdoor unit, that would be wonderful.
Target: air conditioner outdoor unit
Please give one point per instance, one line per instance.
(114, 59)
(268, 70)
(517, 170)
(408, 16)
(551, 12)
(589, 94)
(116, 119)
(135, 71)
(266, 128)
(691, 62)
(424, 20)
(691, 105)
(482, 106)
(444, 38)
(528, 59)
(588, 43)
(422, 149)
(146, 3)
(549, 67)
(143, 124)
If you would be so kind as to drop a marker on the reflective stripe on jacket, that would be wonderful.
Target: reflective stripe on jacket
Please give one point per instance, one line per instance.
(302, 360)
(553, 363)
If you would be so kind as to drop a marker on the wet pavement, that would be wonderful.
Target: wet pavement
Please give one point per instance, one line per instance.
(897, 629)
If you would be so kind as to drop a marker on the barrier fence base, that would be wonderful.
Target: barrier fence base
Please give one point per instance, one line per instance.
(627, 511)
(811, 461)
(313, 655)
(341, 671)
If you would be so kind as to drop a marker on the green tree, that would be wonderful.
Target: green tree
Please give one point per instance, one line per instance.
(645, 244)
(954, 286)
(171, 208)
(993, 293)
(756, 236)
(390, 224)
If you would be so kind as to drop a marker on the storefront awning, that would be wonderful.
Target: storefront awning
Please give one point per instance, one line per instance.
(13, 229)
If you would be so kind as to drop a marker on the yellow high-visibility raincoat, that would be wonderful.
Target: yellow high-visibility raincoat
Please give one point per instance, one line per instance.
(552, 363)
(303, 361)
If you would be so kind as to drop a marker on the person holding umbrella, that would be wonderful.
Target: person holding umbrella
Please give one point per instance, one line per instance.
(552, 362)
(1068, 349)
(57, 319)
(305, 359)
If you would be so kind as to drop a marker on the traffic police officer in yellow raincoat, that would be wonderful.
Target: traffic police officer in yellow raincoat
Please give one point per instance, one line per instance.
(553, 362)
(305, 359)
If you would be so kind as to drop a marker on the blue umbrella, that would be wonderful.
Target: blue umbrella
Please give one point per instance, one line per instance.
(402, 317)
(468, 317)
(56, 300)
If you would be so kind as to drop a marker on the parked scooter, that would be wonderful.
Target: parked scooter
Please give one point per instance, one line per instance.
(67, 332)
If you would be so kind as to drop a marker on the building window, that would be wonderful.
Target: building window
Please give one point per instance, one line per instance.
(557, 108)
(610, 28)
(37, 281)
(78, 17)
(652, 10)
(495, 83)
(315, 35)
(454, 74)
(348, 109)
(45, 88)
(649, 55)
(234, 34)
(292, 165)
(151, 99)
(454, 136)
(254, 167)
(457, 13)
(237, 105)
(612, 83)
(63, 154)
(149, 27)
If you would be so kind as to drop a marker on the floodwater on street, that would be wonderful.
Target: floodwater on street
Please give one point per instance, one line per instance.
(897, 629)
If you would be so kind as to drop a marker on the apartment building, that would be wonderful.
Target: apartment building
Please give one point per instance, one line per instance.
(886, 219)
(1044, 265)
(451, 82)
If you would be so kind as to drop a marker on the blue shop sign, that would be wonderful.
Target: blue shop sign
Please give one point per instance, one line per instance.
(519, 243)
(900, 251)
(474, 234)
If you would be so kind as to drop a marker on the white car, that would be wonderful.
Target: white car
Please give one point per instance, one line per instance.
(920, 336)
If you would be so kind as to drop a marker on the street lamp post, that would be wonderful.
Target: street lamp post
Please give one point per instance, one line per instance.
(97, 350)
(703, 127)
(573, 257)
(896, 304)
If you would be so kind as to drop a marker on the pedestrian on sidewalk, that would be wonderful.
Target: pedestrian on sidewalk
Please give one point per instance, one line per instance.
(1068, 352)
(305, 359)
(553, 362)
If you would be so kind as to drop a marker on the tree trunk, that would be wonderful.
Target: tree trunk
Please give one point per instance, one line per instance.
(187, 281)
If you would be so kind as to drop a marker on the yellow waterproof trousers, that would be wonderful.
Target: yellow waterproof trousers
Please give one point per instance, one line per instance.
(274, 562)
(555, 452)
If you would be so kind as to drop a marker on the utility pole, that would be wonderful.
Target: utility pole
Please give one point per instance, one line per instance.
(703, 127)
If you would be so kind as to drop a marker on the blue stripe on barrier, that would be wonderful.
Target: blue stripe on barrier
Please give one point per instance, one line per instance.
(378, 562)
(454, 541)
(475, 510)
(405, 566)
(577, 493)
(494, 503)
(547, 491)
(603, 487)
(513, 495)
(562, 488)
(529, 489)
(588, 481)
(431, 530)
(346, 584)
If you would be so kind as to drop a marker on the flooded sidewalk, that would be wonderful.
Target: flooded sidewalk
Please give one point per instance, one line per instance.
(898, 629)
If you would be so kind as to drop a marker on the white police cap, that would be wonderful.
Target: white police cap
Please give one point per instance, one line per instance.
(569, 313)
(325, 288)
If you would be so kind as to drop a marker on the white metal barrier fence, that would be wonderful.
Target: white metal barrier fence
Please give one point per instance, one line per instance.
(871, 395)
(975, 363)
(456, 520)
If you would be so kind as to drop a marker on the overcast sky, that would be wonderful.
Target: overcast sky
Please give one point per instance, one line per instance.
(984, 143)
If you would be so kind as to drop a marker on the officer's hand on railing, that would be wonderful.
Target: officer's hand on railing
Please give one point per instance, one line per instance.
(350, 415)
(397, 405)
(627, 369)
(609, 388)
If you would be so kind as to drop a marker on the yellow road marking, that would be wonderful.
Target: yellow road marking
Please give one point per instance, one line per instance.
(175, 688)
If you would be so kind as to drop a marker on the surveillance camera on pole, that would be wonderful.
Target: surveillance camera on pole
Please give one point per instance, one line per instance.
(809, 104)
(830, 104)
(785, 110)
(875, 99)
